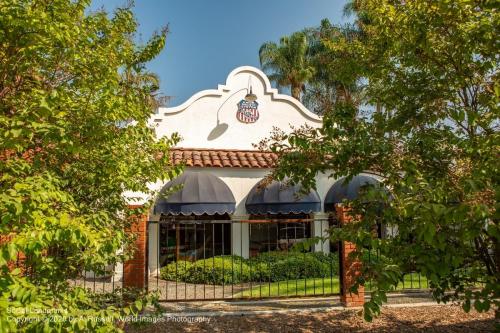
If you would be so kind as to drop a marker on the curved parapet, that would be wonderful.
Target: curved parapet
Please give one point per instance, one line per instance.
(227, 118)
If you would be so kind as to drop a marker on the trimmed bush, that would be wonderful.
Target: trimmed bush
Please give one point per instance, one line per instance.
(279, 266)
(270, 266)
(219, 270)
(176, 271)
(215, 270)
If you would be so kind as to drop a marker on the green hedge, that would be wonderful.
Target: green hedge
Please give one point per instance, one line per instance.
(279, 266)
(269, 266)
(219, 270)
(176, 271)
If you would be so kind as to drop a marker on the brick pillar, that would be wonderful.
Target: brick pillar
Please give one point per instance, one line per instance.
(350, 267)
(135, 269)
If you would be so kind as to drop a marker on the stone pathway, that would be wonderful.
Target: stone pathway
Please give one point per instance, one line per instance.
(306, 303)
(181, 291)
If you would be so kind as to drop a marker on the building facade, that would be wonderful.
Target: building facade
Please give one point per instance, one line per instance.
(220, 129)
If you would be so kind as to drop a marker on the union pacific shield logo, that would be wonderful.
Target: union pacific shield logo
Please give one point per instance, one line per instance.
(247, 112)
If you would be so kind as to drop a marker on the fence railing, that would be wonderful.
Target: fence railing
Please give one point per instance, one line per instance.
(227, 259)
(412, 280)
(108, 282)
(224, 259)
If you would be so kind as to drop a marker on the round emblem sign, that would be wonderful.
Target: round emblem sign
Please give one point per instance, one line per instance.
(247, 111)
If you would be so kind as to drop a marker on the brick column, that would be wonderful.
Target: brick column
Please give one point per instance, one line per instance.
(135, 269)
(350, 267)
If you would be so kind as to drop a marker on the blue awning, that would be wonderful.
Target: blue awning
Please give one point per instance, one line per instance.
(341, 191)
(199, 193)
(281, 198)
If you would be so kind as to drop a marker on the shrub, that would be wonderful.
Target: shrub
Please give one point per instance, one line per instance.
(215, 270)
(220, 270)
(279, 266)
(270, 266)
(176, 271)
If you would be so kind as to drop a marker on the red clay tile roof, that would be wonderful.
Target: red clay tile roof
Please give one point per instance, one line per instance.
(222, 158)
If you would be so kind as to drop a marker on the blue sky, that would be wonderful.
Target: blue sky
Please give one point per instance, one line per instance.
(209, 38)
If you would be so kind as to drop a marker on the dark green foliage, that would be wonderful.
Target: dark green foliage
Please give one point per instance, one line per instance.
(270, 266)
(279, 266)
(176, 271)
(219, 270)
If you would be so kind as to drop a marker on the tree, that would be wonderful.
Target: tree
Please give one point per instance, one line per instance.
(432, 70)
(332, 81)
(287, 63)
(75, 100)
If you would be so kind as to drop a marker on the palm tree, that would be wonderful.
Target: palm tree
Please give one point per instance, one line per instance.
(333, 81)
(150, 82)
(287, 63)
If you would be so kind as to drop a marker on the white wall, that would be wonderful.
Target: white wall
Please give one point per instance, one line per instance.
(195, 119)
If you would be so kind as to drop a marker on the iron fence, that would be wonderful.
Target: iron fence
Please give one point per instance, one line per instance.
(108, 282)
(228, 259)
(224, 259)
(411, 280)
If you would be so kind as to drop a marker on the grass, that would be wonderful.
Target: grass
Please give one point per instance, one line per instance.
(318, 286)
(411, 281)
(299, 287)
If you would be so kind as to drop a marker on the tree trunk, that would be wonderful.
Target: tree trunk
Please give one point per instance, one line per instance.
(296, 92)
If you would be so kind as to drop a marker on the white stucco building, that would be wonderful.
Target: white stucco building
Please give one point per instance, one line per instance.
(219, 130)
